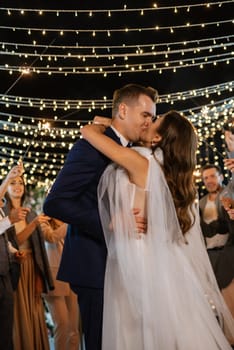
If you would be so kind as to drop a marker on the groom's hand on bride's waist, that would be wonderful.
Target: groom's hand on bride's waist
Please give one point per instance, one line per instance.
(141, 222)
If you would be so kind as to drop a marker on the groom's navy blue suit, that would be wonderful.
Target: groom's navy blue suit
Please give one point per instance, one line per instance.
(73, 199)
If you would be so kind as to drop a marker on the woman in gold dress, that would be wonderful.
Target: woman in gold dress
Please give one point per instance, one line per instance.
(30, 331)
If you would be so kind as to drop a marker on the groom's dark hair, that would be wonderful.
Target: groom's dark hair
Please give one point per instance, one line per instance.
(131, 92)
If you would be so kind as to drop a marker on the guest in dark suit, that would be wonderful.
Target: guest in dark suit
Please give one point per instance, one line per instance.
(218, 231)
(9, 256)
(73, 199)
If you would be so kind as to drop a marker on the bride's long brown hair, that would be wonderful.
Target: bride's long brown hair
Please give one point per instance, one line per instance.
(179, 144)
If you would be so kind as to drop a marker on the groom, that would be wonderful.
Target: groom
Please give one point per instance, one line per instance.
(73, 199)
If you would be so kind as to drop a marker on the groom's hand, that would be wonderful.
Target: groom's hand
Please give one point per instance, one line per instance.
(141, 222)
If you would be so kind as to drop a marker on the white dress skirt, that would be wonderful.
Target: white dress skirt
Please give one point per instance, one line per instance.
(160, 291)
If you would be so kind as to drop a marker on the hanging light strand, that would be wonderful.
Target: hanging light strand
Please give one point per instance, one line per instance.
(153, 45)
(126, 68)
(108, 11)
(33, 102)
(118, 30)
(138, 53)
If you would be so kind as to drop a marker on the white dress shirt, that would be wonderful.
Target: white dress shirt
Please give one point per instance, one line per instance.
(123, 141)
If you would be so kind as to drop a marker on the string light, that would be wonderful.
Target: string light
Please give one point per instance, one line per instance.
(42, 141)
(166, 45)
(119, 30)
(52, 162)
(23, 101)
(104, 11)
(126, 68)
(114, 56)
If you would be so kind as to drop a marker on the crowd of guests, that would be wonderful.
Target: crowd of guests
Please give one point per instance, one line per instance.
(31, 247)
(30, 251)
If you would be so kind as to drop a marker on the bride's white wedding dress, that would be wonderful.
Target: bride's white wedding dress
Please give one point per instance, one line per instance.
(160, 291)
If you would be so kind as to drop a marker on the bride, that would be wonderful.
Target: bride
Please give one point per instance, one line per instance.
(160, 292)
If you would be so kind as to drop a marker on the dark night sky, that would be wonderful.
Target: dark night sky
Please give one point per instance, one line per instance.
(95, 86)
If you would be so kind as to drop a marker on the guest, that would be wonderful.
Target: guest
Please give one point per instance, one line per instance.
(61, 302)
(9, 255)
(217, 228)
(30, 331)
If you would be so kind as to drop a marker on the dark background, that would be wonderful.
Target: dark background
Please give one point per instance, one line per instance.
(43, 160)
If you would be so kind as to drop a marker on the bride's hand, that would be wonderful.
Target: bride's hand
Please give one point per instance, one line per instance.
(90, 130)
(102, 120)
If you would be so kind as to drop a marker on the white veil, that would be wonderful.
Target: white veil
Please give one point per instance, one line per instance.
(160, 290)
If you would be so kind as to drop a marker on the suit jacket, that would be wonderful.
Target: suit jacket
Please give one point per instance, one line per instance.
(222, 225)
(8, 265)
(222, 260)
(4, 253)
(217, 226)
(73, 199)
(4, 256)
